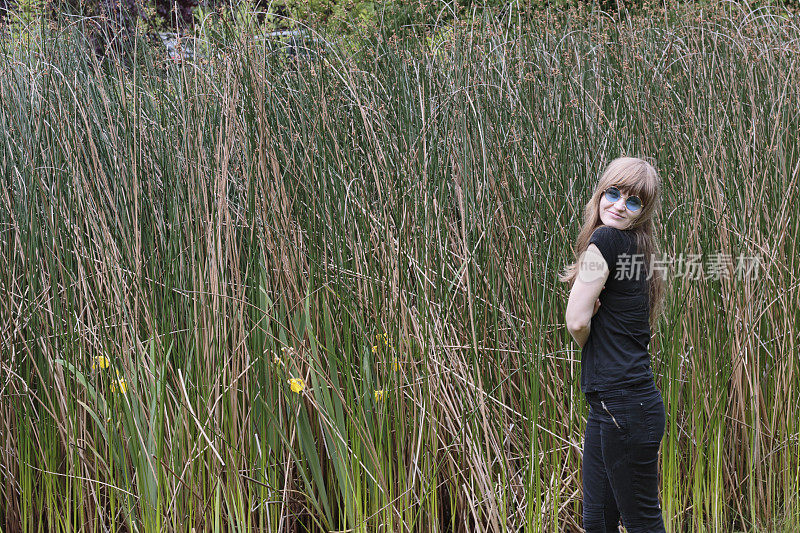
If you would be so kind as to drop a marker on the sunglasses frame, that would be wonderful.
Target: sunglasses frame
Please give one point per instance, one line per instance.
(627, 198)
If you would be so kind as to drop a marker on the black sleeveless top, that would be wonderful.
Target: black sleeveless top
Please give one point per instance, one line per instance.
(615, 354)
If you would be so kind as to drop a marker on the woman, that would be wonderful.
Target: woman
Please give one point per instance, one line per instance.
(612, 305)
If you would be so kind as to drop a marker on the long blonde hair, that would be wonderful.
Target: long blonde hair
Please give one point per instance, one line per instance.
(632, 176)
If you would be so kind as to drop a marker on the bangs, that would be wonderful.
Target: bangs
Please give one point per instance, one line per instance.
(633, 177)
(636, 184)
(630, 187)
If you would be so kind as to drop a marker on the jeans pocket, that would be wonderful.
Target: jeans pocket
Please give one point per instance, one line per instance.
(652, 413)
(614, 407)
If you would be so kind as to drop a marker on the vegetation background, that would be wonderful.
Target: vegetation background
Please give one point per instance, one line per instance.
(315, 288)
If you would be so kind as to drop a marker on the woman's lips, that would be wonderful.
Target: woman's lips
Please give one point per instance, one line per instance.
(616, 216)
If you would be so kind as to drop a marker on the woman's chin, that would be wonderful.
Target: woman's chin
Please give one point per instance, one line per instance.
(613, 222)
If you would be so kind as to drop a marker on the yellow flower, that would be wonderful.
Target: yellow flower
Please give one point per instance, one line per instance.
(380, 395)
(277, 360)
(100, 361)
(297, 385)
(374, 349)
(395, 364)
(119, 385)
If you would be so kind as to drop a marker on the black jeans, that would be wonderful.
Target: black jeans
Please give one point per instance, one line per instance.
(620, 460)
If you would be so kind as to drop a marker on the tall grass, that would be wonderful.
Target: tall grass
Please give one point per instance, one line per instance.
(390, 219)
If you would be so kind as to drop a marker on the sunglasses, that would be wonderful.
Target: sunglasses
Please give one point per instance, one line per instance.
(632, 203)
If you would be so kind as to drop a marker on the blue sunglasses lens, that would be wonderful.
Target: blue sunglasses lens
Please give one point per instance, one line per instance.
(612, 195)
(633, 203)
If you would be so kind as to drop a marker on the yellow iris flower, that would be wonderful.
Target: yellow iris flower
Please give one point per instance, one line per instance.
(119, 385)
(297, 385)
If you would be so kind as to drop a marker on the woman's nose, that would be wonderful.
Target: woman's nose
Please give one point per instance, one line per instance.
(620, 204)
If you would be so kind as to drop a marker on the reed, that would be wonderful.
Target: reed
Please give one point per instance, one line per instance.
(326, 291)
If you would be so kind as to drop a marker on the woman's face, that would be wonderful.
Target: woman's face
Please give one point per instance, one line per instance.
(617, 215)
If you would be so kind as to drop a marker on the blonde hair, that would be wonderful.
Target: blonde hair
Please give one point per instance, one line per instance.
(633, 176)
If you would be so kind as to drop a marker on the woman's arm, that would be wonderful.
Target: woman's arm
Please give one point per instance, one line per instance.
(583, 298)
